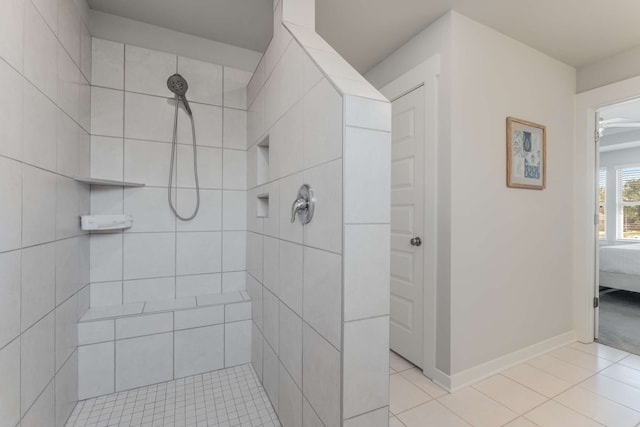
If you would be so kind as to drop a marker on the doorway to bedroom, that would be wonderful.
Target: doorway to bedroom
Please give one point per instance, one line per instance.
(618, 259)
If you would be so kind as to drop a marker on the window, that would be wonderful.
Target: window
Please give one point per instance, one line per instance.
(629, 203)
(602, 189)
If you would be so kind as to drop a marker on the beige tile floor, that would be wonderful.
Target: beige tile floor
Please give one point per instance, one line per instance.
(580, 385)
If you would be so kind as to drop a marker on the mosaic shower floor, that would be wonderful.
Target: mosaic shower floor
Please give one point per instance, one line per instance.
(224, 398)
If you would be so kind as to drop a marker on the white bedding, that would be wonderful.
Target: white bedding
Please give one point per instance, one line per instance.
(620, 259)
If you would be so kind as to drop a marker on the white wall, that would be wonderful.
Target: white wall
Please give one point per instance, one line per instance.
(609, 70)
(511, 249)
(117, 28)
(45, 65)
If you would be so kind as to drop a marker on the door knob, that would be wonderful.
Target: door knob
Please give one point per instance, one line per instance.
(416, 241)
(304, 205)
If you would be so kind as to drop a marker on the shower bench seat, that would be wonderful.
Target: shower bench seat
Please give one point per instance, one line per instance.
(136, 344)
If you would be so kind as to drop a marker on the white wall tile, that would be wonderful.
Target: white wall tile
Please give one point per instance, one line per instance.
(255, 290)
(106, 257)
(256, 350)
(290, 342)
(271, 91)
(289, 156)
(234, 210)
(254, 255)
(39, 129)
(68, 151)
(238, 311)
(234, 250)
(85, 51)
(68, 266)
(292, 66)
(85, 104)
(270, 375)
(144, 360)
(325, 230)
(135, 326)
(42, 413)
(106, 200)
(66, 330)
(38, 283)
(107, 157)
(366, 270)
(323, 293)
(367, 113)
(377, 418)
(38, 202)
(49, 11)
(234, 170)
(309, 416)
(147, 71)
(209, 216)
(333, 64)
(161, 288)
(289, 186)
(366, 357)
(234, 281)
(289, 401)
(36, 360)
(66, 389)
(68, 84)
(96, 369)
(271, 269)
(198, 252)
(107, 112)
(204, 79)
(147, 162)
(291, 267)
(150, 210)
(67, 223)
(11, 210)
(149, 255)
(105, 294)
(10, 390)
(367, 176)
(208, 125)
(234, 129)
(272, 221)
(311, 74)
(321, 370)
(235, 87)
(108, 64)
(69, 23)
(96, 332)
(40, 52)
(204, 316)
(322, 124)
(9, 297)
(11, 107)
(11, 32)
(255, 120)
(270, 318)
(237, 343)
(209, 167)
(199, 284)
(199, 350)
(147, 117)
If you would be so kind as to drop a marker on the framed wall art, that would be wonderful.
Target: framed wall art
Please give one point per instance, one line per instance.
(526, 154)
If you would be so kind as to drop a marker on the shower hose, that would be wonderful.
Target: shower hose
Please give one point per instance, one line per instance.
(174, 149)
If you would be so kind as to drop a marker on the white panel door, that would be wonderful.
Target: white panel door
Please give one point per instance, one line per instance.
(407, 213)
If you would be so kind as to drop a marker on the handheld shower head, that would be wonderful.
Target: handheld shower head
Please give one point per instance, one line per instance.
(178, 85)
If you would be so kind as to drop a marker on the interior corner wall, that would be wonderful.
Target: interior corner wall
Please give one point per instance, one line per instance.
(433, 40)
(612, 69)
(511, 249)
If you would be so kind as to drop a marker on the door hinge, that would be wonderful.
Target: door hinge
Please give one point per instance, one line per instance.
(596, 219)
(596, 302)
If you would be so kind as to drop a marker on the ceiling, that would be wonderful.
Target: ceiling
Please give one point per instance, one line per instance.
(243, 23)
(577, 32)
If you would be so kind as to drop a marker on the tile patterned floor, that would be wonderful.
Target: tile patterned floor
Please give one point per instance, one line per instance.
(580, 385)
(225, 398)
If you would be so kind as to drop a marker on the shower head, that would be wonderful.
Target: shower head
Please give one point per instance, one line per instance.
(178, 85)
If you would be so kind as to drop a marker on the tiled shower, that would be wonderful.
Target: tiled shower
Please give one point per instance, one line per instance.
(86, 314)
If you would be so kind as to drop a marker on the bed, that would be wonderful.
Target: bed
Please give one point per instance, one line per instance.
(620, 267)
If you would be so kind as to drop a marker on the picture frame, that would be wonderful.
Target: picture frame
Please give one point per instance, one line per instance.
(526, 154)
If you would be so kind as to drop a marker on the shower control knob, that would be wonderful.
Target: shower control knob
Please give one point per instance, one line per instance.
(416, 241)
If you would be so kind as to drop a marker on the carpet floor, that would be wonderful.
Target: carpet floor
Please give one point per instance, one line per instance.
(620, 320)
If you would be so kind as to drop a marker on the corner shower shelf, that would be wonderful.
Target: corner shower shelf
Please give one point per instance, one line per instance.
(108, 182)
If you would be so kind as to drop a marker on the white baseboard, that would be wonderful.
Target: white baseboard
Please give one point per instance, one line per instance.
(469, 376)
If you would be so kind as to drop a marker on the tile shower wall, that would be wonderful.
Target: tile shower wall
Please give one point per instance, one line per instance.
(320, 293)
(45, 67)
(162, 257)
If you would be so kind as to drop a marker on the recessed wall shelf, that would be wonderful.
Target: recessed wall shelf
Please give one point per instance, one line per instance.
(263, 161)
(262, 210)
(107, 182)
